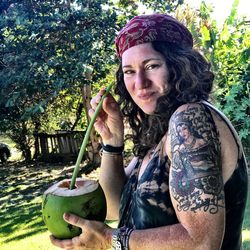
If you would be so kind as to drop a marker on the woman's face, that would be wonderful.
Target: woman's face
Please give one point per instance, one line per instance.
(183, 131)
(145, 75)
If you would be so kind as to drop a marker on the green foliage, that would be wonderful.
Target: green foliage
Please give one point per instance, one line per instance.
(162, 5)
(231, 55)
(50, 49)
(47, 47)
(130, 8)
(228, 51)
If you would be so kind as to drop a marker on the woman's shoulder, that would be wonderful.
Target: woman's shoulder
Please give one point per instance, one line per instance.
(189, 111)
(190, 105)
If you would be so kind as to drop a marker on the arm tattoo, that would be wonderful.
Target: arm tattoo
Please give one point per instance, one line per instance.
(196, 179)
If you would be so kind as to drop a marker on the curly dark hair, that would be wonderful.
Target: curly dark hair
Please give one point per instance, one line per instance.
(190, 80)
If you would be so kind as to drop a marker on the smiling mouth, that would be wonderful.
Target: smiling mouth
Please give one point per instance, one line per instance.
(145, 96)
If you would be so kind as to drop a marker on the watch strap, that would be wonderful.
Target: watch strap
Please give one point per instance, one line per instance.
(120, 238)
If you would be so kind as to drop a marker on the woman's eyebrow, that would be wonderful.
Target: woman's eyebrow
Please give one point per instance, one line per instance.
(143, 62)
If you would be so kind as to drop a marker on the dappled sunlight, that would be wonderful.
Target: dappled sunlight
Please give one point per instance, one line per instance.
(38, 241)
(246, 235)
(21, 188)
(246, 239)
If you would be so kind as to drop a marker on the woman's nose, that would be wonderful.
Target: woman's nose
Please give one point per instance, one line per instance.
(141, 80)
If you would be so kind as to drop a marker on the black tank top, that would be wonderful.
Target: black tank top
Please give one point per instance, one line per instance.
(146, 203)
(235, 189)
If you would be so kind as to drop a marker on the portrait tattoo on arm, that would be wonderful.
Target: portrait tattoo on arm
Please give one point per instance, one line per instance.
(196, 176)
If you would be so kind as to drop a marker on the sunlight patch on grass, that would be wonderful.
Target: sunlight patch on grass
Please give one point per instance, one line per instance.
(21, 224)
(246, 239)
(36, 242)
(245, 235)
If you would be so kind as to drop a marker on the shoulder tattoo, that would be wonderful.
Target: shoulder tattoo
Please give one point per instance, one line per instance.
(196, 177)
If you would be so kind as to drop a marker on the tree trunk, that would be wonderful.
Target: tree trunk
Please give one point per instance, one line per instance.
(36, 143)
(78, 116)
(21, 138)
(24, 143)
(94, 144)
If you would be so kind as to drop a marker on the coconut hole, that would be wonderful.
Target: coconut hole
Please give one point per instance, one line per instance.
(64, 184)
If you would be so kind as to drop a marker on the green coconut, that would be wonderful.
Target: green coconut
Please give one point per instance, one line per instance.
(87, 200)
(82, 197)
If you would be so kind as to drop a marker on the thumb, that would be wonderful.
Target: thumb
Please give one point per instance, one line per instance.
(74, 220)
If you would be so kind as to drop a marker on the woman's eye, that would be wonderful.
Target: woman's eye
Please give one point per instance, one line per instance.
(152, 66)
(128, 72)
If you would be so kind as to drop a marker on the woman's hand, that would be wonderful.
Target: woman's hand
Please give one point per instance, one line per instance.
(95, 235)
(109, 122)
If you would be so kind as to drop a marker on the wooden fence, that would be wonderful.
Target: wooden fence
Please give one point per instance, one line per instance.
(61, 146)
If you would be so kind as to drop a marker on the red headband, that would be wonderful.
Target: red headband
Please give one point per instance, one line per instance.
(149, 28)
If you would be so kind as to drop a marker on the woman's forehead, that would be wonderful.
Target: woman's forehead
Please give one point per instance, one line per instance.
(141, 54)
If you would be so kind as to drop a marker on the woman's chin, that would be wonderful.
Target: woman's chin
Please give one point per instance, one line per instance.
(148, 110)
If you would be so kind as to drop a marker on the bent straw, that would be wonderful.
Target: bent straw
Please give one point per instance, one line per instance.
(86, 138)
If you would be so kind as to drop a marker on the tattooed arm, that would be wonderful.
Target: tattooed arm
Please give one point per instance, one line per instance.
(196, 183)
(196, 186)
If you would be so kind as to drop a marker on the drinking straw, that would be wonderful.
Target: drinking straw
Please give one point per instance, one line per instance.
(86, 139)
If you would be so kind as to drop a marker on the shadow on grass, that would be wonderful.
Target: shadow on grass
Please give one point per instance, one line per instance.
(21, 187)
(25, 235)
(246, 245)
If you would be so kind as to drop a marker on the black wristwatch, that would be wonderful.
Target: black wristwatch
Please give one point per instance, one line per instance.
(116, 242)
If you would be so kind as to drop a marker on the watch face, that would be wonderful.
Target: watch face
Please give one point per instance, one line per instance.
(118, 245)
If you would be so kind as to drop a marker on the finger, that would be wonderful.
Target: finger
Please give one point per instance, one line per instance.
(77, 242)
(96, 99)
(110, 106)
(61, 243)
(102, 129)
(94, 102)
(101, 93)
(99, 121)
(91, 112)
(102, 90)
(74, 220)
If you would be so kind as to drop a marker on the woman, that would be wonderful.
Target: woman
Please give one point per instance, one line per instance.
(186, 187)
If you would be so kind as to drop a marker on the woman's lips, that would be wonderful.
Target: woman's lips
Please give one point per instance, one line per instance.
(145, 96)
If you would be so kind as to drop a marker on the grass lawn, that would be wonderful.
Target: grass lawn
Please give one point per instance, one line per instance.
(21, 187)
(20, 206)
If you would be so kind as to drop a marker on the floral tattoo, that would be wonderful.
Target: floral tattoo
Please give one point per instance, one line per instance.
(196, 179)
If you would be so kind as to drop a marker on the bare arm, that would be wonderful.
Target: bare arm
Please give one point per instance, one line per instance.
(109, 124)
(196, 190)
(196, 187)
(112, 179)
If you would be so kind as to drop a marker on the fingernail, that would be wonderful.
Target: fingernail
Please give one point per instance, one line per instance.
(66, 216)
